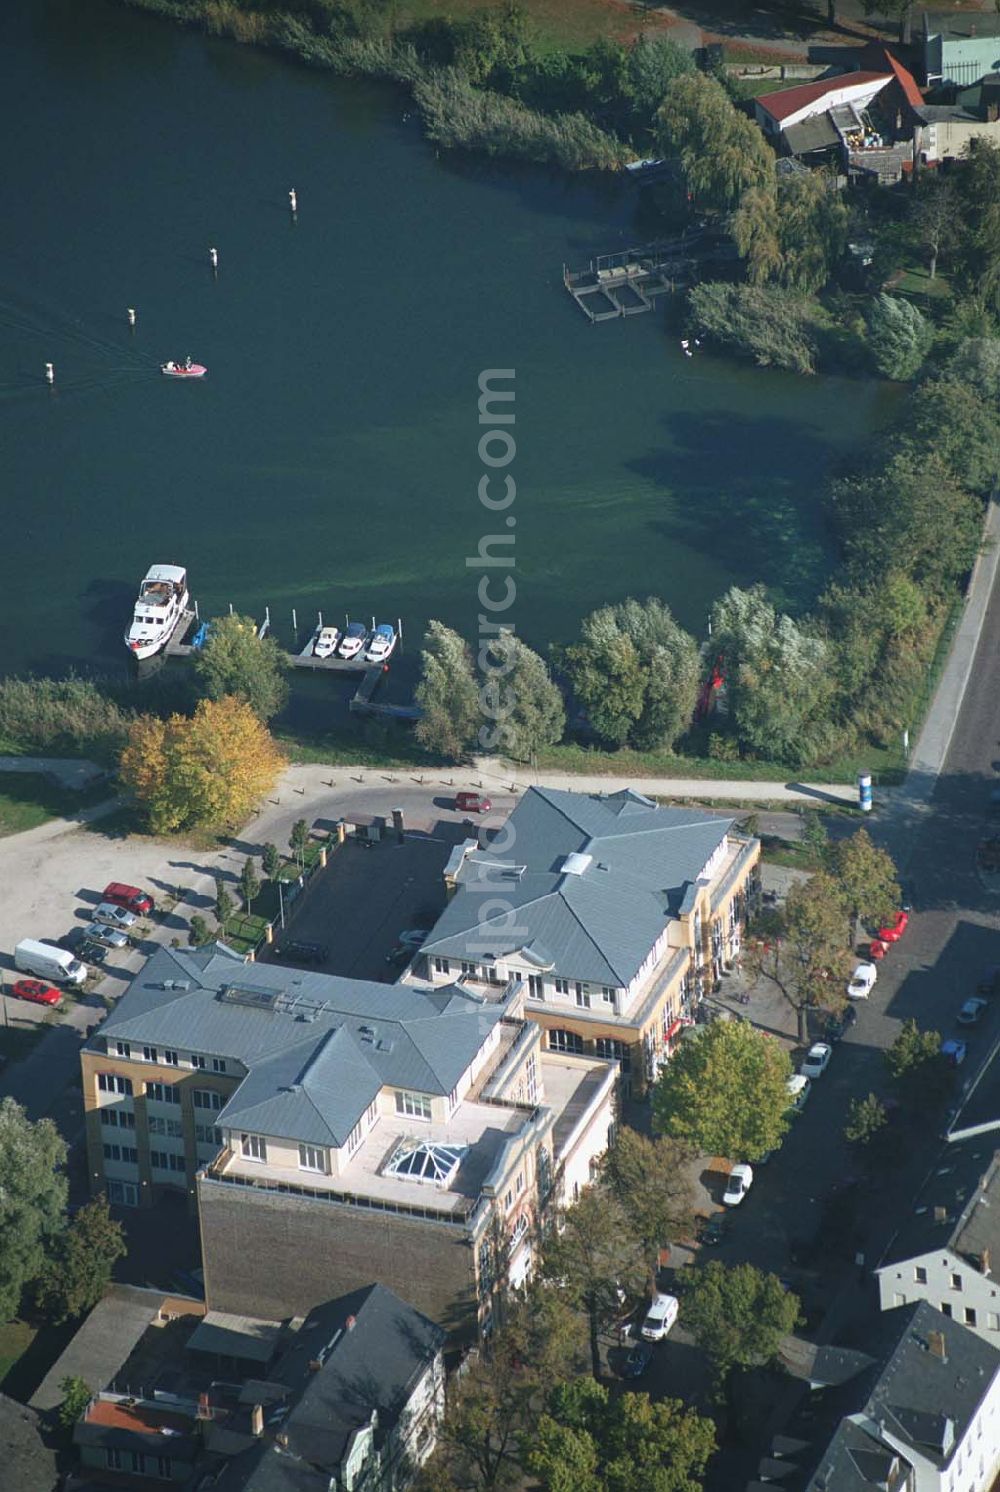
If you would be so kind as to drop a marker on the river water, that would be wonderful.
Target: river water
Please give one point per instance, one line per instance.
(329, 460)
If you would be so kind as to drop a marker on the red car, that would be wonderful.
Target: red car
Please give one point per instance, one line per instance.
(129, 897)
(895, 929)
(472, 803)
(37, 992)
(877, 949)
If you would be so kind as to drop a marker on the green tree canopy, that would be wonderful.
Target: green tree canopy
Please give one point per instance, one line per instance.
(447, 694)
(595, 1261)
(917, 1069)
(298, 839)
(523, 707)
(587, 1441)
(777, 675)
(737, 1314)
(866, 876)
(792, 230)
(959, 421)
(725, 1091)
(249, 882)
(649, 1178)
(76, 1395)
(912, 511)
(865, 1118)
(721, 152)
(899, 337)
(653, 64)
(802, 947)
(271, 861)
(79, 1272)
(236, 661)
(636, 672)
(977, 258)
(32, 1200)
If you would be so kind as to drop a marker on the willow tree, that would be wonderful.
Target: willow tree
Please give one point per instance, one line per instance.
(721, 152)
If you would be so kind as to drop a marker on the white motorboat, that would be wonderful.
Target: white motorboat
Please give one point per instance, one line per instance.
(163, 599)
(383, 641)
(326, 642)
(353, 640)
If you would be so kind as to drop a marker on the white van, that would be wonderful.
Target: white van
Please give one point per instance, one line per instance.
(46, 961)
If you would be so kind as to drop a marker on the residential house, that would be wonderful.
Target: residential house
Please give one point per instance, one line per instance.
(947, 1248)
(912, 1406)
(960, 49)
(945, 130)
(335, 1131)
(861, 121)
(138, 1440)
(617, 915)
(353, 1405)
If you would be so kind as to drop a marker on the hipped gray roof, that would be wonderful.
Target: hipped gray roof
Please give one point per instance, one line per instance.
(596, 924)
(316, 1048)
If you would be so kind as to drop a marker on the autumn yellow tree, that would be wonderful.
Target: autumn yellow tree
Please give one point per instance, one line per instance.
(208, 770)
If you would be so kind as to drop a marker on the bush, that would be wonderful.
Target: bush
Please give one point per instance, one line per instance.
(457, 115)
(68, 717)
(899, 336)
(776, 326)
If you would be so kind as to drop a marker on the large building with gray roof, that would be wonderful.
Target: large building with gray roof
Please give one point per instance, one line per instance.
(335, 1131)
(617, 914)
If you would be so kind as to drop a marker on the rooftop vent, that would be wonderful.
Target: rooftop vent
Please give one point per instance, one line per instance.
(253, 996)
(576, 864)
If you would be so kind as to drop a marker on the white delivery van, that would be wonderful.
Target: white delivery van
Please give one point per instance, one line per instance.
(46, 961)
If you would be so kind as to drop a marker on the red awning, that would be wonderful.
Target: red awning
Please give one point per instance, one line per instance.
(672, 1030)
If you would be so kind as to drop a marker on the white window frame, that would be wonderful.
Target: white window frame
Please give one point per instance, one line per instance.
(413, 1105)
(253, 1147)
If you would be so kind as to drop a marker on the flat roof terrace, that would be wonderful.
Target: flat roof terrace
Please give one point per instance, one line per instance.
(481, 1129)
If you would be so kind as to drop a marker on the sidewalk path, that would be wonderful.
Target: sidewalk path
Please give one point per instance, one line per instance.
(69, 772)
(492, 774)
(910, 805)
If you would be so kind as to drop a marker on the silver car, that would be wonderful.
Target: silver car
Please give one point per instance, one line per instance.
(113, 916)
(107, 937)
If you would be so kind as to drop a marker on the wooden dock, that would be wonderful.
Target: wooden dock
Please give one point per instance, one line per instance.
(627, 283)
(361, 703)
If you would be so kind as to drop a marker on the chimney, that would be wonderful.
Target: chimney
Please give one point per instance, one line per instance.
(315, 1365)
(257, 1420)
(351, 1322)
(935, 1345)
(984, 1261)
(282, 1439)
(940, 1214)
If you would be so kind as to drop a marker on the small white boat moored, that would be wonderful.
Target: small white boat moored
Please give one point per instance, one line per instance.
(326, 642)
(163, 599)
(383, 641)
(353, 640)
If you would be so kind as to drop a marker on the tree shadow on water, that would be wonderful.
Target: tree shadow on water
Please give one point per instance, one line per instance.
(747, 493)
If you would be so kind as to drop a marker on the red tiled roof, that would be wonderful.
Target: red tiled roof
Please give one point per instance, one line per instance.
(143, 1419)
(906, 81)
(790, 100)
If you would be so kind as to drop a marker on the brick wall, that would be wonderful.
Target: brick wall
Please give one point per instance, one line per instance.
(276, 1255)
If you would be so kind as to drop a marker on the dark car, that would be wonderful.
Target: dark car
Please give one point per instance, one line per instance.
(837, 1024)
(713, 1228)
(298, 952)
(638, 1360)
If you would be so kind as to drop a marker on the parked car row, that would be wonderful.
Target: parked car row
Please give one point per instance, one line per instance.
(65, 963)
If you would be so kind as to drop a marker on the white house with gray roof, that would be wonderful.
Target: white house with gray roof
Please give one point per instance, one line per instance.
(337, 1131)
(615, 912)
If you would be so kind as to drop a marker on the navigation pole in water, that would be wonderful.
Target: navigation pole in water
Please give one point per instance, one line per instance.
(50, 373)
(213, 258)
(293, 202)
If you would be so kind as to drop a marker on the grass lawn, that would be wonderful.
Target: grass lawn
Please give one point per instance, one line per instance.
(789, 853)
(28, 799)
(572, 24)
(915, 281)
(15, 1339)
(886, 766)
(17, 1041)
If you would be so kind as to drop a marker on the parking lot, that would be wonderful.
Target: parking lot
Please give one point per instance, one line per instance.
(357, 907)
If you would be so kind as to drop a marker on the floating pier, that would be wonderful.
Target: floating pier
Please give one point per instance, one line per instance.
(627, 283)
(371, 673)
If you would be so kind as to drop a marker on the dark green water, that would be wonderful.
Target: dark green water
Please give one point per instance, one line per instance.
(330, 458)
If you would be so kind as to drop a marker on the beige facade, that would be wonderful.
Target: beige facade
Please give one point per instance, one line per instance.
(636, 1025)
(948, 139)
(437, 1196)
